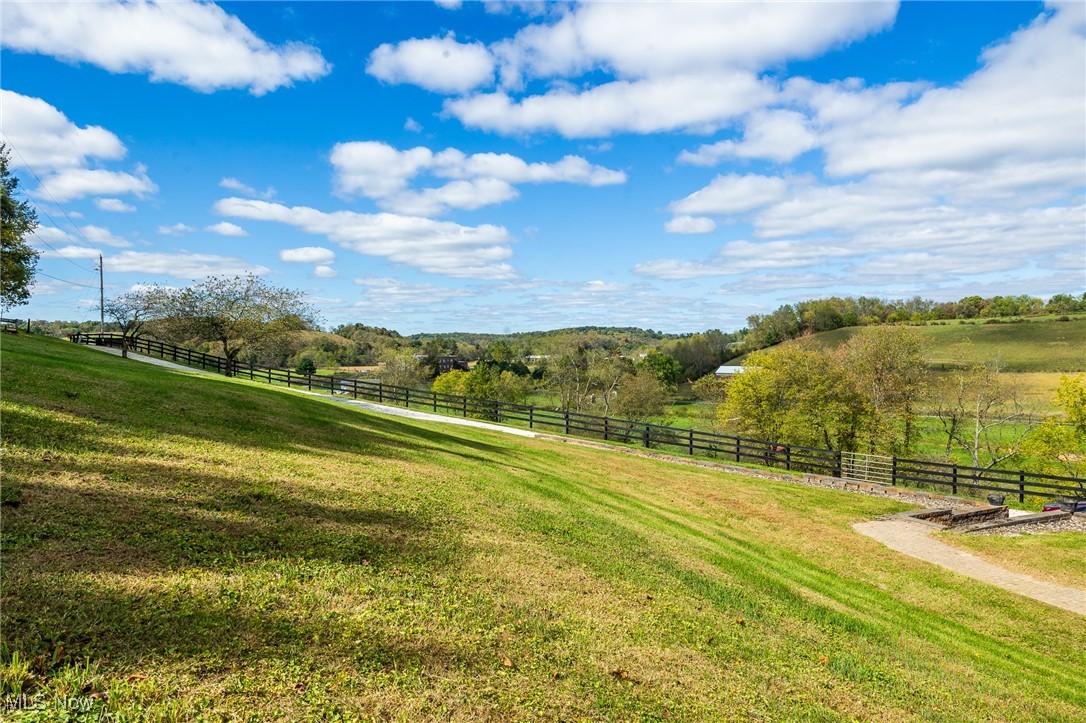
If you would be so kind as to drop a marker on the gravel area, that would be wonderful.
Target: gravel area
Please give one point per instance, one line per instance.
(1074, 523)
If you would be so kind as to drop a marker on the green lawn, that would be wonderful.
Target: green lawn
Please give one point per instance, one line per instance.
(183, 547)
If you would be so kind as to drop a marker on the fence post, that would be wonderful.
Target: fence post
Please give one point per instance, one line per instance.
(737, 449)
(288, 379)
(1021, 486)
(354, 389)
(606, 429)
(691, 442)
(28, 326)
(567, 421)
(407, 398)
(893, 471)
(788, 457)
(309, 382)
(837, 459)
(645, 435)
(464, 406)
(434, 394)
(954, 481)
(380, 392)
(531, 416)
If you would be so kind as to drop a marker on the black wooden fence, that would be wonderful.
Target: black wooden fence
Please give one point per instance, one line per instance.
(913, 473)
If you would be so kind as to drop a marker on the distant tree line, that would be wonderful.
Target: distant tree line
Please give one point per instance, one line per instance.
(792, 321)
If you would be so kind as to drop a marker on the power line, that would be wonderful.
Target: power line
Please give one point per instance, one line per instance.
(66, 281)
(57, 251)
(42, 185)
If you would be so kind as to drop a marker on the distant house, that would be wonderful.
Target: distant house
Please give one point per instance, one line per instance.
(446, 363)
(726, 371)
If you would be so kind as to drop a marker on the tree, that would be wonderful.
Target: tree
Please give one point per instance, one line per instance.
(306, 365)
(235, 312)
(981, 415)
(400, 368)
(710, 389)
(18, 262)
(795, 394)
(641, 395)
(664, 366)
(1058, 446)
(131, 312)
(887, 365)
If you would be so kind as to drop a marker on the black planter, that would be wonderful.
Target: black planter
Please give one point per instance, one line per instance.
(995, 500)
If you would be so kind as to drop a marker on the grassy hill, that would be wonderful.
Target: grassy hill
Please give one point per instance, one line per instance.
(182, 547)
(1024, 346)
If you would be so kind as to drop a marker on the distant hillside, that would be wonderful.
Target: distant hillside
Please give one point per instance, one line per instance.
(1024, 346)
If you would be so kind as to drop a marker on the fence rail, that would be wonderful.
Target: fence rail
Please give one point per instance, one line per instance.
(852, 466)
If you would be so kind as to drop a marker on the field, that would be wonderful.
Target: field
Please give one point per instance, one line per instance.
(178, 547)
(1025, 346)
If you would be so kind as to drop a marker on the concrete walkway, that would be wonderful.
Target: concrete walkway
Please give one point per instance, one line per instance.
(915, 540)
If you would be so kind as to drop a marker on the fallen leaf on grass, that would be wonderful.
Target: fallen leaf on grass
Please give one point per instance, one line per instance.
(134, 677)
(621, 674)
(507, 662)
(823, 659)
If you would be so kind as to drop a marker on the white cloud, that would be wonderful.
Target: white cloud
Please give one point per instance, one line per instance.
(195, 44)
(698, 101)
(1024, 103)
(438, 247)
(468, 195)
(175, 230)
(732, 193)
(690, 66)
(669, 39)
(225, 228)
(449, 4)
(379, 171)
(308, 255)
(323, 271)
(690, 224)
(71, 252)
(46, 140)
(234, 184)
(393, 293)
(603, 287)
(182, 265)
(114, 205)
(73, 183)
(52, 234)
(740, 257)
(774, 135)
(438, 64)
(105, 237)
(412, 125)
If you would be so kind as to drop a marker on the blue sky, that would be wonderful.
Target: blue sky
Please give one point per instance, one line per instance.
(517, 166)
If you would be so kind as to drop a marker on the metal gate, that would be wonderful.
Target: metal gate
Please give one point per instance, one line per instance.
(861, 467)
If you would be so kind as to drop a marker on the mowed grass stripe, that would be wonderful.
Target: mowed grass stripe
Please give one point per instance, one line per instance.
(776, 573)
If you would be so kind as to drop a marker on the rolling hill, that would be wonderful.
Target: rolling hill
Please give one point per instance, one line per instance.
(185, 547)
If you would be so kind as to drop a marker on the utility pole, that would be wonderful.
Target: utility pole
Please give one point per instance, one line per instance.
(101, 297)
